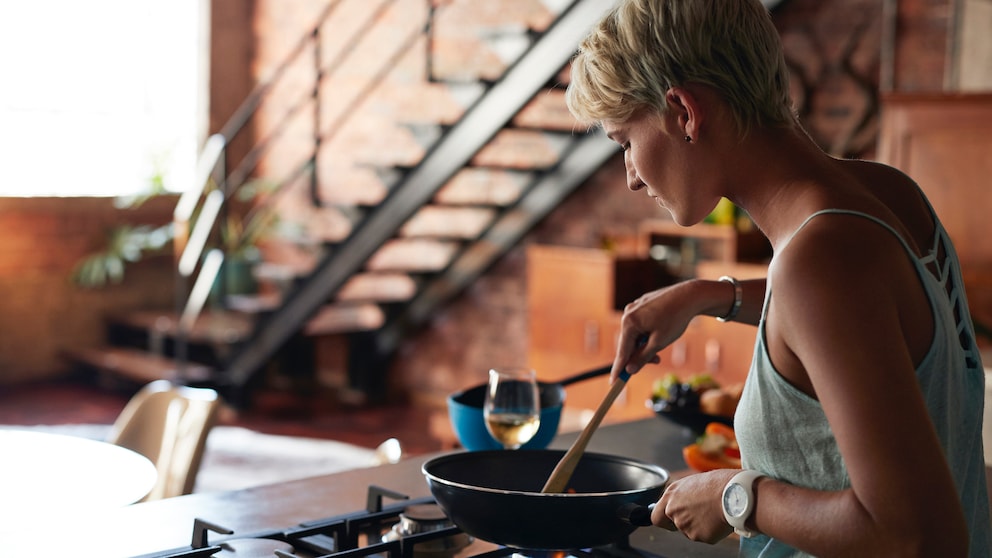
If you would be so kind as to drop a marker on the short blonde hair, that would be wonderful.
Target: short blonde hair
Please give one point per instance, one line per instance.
(642, 48)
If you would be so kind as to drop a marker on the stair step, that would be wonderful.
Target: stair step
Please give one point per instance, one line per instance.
(209, 328)
(341, 317)
(254, 304)
(140, 366)
(362, 287)
(345, 318)
(448, 222)
(483, 186)
(378, 287)
(412, 255)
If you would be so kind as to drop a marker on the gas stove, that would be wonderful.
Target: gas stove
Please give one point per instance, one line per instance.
(404, 528)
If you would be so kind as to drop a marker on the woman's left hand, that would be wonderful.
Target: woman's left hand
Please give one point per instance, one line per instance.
(692, 506)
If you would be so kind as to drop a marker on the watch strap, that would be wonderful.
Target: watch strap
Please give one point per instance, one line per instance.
(745, 479)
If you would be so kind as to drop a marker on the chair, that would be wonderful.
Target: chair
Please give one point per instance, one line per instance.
(168, 424)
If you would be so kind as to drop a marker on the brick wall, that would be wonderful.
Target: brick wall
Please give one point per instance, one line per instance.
(42, 312)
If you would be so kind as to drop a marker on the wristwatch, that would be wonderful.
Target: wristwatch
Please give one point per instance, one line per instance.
(738, 501)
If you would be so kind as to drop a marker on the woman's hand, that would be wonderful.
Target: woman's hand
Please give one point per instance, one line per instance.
(652, 322)
(692, 506)
(658, 318)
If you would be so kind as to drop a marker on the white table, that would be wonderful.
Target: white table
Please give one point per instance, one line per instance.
(44, 476)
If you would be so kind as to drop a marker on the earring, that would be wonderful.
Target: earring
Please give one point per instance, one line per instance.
(688, 138)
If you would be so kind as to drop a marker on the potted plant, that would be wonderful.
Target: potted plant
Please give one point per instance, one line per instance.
(244, 223)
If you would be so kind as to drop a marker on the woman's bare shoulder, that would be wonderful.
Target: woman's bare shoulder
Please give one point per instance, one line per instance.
(839, 256)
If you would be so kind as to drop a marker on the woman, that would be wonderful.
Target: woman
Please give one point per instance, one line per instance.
(860, 422)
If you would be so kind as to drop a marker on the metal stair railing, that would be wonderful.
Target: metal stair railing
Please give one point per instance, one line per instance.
(201, 206)
(189, 242)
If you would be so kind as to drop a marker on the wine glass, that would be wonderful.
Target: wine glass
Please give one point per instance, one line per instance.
(513, 406)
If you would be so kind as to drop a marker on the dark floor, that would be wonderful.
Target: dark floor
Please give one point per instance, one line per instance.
(81, 401)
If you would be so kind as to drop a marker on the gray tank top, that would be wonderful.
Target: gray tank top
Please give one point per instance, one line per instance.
(950, 375)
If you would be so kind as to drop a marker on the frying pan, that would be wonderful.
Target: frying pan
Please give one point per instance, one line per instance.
(496, 496)
(465, 413)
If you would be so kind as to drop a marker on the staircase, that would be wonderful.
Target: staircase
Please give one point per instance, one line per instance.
(440, 223)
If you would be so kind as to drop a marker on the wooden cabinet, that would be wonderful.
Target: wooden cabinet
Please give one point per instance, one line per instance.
(943, 142)
(574, 321)
(572, 324)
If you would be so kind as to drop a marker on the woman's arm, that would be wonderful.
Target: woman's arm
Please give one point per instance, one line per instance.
(847, 323)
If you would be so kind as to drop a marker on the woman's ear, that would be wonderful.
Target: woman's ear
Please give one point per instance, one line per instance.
(685, 107)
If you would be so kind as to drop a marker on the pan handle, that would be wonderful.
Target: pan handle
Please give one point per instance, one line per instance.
(601, 371)
(635, 514)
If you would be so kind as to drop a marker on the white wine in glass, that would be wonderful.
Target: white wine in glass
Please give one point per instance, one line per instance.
(513, 406)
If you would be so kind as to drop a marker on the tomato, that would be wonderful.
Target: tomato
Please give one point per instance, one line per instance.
(716, 449)
(721, 429)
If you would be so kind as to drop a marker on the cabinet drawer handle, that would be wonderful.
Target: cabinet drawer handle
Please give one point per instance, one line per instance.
(591, 337)
(712, 355)
(679, 353)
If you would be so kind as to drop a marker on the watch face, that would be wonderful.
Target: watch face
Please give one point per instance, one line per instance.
(735, 500)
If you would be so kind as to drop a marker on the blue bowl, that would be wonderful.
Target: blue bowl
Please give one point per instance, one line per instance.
(465, 413)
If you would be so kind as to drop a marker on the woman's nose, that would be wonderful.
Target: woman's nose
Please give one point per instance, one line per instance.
(634, 182)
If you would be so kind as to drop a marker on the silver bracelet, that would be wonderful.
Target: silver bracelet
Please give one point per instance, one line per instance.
(738, 298)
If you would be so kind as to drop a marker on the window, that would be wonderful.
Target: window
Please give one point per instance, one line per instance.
(99, 96)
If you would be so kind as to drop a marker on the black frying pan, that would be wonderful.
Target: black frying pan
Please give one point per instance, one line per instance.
(496, 496)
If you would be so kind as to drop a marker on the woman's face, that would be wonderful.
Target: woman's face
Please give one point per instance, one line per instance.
(654, 153)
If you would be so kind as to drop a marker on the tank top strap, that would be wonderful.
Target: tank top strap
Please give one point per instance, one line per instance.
(878, 221)
(834, 211)
(940, 237)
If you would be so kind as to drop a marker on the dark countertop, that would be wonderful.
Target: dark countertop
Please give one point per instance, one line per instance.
(653, 440)
(166, 524)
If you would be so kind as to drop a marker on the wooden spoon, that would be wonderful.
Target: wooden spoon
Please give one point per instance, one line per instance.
(562, 473)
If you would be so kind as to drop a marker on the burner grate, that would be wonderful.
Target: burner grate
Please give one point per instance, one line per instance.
(361, 534)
